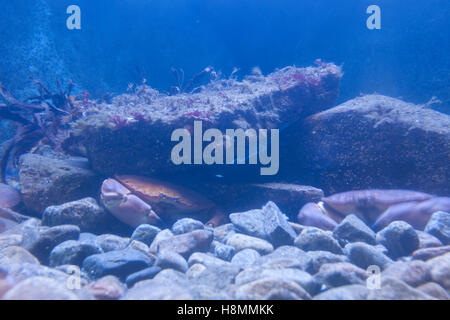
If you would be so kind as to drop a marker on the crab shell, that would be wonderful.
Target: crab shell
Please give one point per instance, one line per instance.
(314, 215)
(377, 208)
(9, 197)
(369, 204)
(138, 200)
(416, 214)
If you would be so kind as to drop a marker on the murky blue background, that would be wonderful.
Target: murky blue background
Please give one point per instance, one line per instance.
(122, 41)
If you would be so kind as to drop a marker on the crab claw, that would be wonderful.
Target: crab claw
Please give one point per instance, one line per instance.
(416, 214)
(125, 206)
(312, 214)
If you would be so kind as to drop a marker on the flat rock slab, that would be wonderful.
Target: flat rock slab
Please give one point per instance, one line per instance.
(378, 142)
(133, 133)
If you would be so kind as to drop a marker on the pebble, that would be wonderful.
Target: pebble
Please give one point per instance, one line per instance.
(276, 226)
(353, 229)
(186, 225)
(162, 235)
(349, 292)
(145, 233)
(341, 274)
(364, 255)
(426, 240)
(9, 240)
(157, 290)
(40, 288)
(146, 274)
(250, 223)
(224, 252)
(106, 288)
(399, 238)
(19, 272)
(111, 242)
(440, 270)
(221, 233)
(218, 277)
(119, 263)
(40, 242)
(439, 226)
(195, 270)
(246, 258)
(139, 246)
(287, 257)
(206, 260)
(206, 292)
(241, 241)
(266, 287)
(302, 278)
(15, 254)
(413, 273)
(84, 213)
(172, 276)
(434, 290)
(313, 239)
(71, 252)
(429, 253)
(171, 260)
(394, 289)
(187, 243)
(320, 258)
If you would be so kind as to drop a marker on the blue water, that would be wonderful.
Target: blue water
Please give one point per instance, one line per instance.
(124, 41)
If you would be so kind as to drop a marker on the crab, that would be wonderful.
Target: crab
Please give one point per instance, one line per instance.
(9, 199)
(138, 200)
(375, 207)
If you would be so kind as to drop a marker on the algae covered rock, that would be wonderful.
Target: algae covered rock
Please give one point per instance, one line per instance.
(133, 133)
(46, 182)
(376, 141)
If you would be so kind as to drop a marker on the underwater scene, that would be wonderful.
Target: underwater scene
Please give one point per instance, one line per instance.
(224, 150)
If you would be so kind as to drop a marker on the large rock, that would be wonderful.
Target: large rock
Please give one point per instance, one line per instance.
(118, 136)
(45, 182)
(378, 142)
